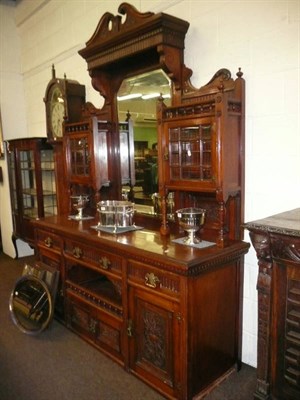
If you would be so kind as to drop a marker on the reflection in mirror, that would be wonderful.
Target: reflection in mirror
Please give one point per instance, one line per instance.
(31, 305)
(138, 95)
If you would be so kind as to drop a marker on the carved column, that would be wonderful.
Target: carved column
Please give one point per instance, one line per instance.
(261, 243)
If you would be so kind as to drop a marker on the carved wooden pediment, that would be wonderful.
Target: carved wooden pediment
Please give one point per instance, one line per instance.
(132, 40)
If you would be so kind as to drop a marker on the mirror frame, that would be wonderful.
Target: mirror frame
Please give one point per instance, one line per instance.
(27, 279)
(126, 45)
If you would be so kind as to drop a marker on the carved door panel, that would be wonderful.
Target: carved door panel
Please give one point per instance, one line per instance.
(286, 330)
(154, 337)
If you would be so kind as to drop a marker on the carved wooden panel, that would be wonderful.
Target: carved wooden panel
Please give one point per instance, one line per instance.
(99, 329)
(155, 331)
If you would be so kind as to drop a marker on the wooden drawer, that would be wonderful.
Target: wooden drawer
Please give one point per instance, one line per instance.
(153, 278)
(48, 240)
(94, 257)
(98, 328)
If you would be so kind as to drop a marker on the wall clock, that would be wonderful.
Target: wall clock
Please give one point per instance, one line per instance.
(64, 99)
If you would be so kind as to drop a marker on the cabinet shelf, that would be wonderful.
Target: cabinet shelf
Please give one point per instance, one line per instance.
(95, 287)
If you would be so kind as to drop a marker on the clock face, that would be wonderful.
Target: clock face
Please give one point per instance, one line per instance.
(57, 112)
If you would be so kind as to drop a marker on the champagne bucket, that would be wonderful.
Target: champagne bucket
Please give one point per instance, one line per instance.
(191, 220)
(114, 213)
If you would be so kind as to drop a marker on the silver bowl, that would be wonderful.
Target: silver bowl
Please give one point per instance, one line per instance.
(79, 203)
(191, 220)
(115, 213)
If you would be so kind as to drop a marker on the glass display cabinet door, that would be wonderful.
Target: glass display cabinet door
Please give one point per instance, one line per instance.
(48, 182)
(28, 184)
(13, 189)
(190, 153)
(80, 156)
(85, 146)
(127, 153)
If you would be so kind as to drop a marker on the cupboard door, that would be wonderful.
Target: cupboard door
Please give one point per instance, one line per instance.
(190, 153)
(100, 329)
(154, 336)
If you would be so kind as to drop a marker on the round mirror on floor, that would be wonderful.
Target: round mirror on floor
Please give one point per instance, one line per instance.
(31, 305)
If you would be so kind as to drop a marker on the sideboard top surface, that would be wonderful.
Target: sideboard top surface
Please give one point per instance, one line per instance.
(145, 243)
(286, 223)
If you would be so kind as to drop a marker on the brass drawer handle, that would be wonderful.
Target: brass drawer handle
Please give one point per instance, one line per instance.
(105, 262)
(166, 155)
(77, 252)
(92, 325)
(151, 280)
(130, 328)
(48, 242)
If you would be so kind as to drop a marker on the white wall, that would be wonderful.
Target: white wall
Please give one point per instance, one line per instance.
(12, 106)
(261, 37)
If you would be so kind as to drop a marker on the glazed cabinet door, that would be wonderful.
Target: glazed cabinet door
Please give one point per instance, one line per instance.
(154, 335)
(85, 146)
(190, 154)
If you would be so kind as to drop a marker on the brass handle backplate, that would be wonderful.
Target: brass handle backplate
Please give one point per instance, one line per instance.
(151, 280)
(48, 242)
(105, 262)
(77, 252)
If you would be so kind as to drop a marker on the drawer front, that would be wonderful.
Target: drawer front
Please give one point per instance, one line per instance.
(96, 327)
(95, 257)
(48, 240)
(153, 278)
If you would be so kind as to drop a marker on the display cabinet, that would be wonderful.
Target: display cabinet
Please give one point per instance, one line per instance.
(87, 163)
(201, 148)
(86, 158)
(32, 184)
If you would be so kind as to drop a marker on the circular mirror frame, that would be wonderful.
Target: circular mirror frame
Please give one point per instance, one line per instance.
(45, 324)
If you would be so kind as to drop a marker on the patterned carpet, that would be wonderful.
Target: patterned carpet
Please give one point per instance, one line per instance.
(57, 364)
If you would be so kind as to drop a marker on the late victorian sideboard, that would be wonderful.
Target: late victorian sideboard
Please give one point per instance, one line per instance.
(276, 240)
(170, 314)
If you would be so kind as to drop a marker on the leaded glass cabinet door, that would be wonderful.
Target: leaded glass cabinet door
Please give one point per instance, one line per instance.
(190, 153)
(28, 184)
(48, 182)
(11, 160)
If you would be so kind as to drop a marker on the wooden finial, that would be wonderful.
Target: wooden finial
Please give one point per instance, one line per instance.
(239, 74)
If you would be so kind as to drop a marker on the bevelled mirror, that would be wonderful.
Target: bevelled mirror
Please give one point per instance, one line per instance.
(138, 97)
(32, 299)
